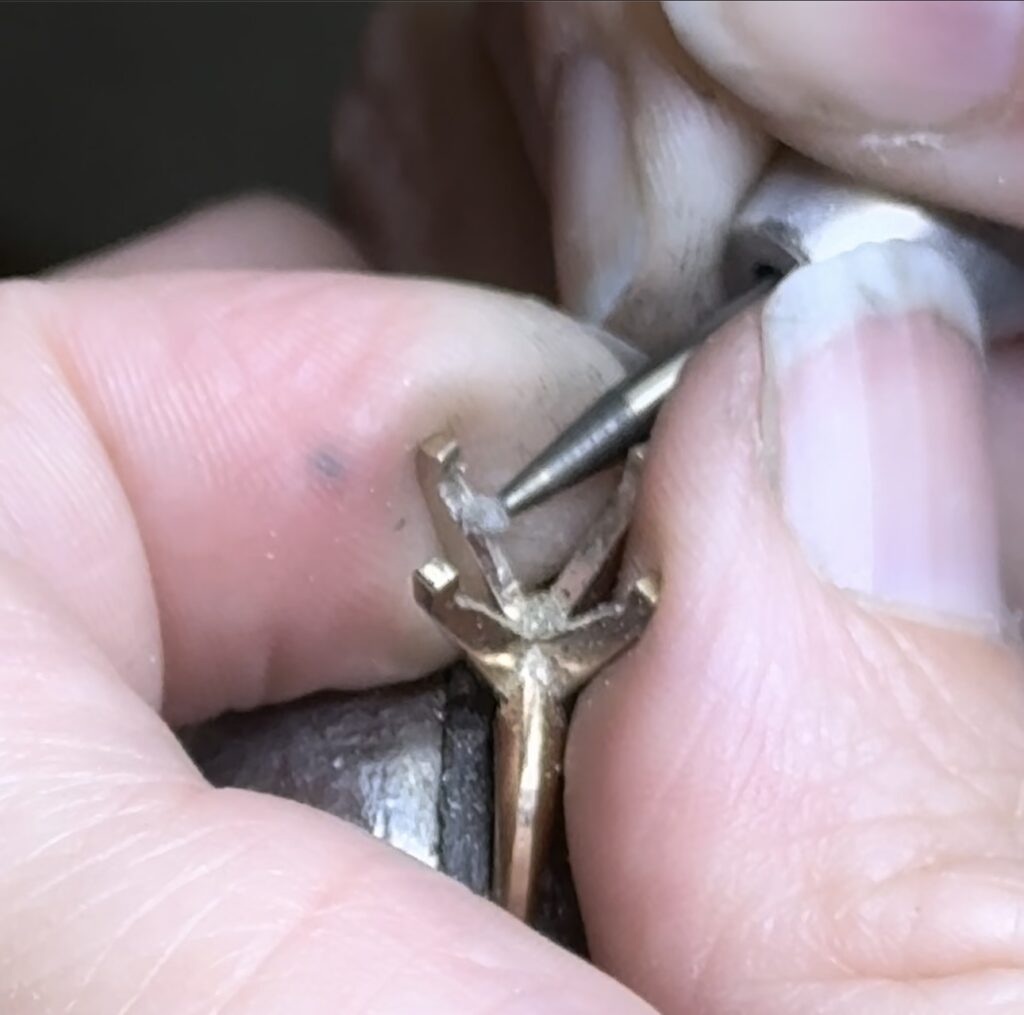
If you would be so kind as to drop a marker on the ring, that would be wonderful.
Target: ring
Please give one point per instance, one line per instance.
(535, 648)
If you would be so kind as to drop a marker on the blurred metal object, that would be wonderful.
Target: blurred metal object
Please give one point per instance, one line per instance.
(534, 648)
(799, 213)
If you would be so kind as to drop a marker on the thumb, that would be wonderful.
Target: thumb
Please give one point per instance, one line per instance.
(801, 792)
(920, 95)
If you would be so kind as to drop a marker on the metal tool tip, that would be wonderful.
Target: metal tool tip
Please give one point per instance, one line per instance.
(524, 490)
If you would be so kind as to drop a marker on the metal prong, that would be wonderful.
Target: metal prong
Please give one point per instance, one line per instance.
(489, 643)
(589, 565)
(585, 650)
(479, 558)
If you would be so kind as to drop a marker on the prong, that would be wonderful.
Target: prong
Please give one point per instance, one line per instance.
(636, 457)
(484, 566)
(434, 583)
(441, 449)
(437, 458)
(603, 635)
(593, 563)
(488, 645)
(642, 596)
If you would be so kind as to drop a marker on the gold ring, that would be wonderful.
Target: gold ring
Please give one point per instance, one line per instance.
(534, 648)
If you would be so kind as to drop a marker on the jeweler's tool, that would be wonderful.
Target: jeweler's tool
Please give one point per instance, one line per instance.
(619, 419)
(798, 214)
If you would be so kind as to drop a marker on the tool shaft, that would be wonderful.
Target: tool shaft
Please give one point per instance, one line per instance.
(800, 213)
(619, 419)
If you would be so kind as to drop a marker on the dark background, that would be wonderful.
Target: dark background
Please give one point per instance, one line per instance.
(117, 116)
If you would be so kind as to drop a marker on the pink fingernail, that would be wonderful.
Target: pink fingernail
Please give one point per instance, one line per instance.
(876, 373)
(890, 63)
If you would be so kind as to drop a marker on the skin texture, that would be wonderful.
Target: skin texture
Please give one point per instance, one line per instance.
(639, 185)
(826, 789)
(800, 793)
(177, 539)
(881, 89)
(793, 797)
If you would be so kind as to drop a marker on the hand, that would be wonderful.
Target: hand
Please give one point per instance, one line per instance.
(210, 504)
(799, 794)
(802, 792)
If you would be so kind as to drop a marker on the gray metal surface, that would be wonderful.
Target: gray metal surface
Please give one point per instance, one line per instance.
(467, 783)
(373, 759)
(801, 213)
(410, 764)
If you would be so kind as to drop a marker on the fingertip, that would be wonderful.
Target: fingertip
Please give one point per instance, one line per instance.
(257, 231)
(908, 65)
(642, 161)
(263, 427)
(655, 742)
(917, 96)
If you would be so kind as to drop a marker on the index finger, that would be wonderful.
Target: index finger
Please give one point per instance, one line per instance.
(218, 467)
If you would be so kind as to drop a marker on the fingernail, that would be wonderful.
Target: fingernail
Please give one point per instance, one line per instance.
(595, 201)
(927, 63)
(887, 63)
(875, 417)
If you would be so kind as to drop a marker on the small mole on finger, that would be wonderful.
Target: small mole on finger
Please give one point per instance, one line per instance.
(327, 465)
